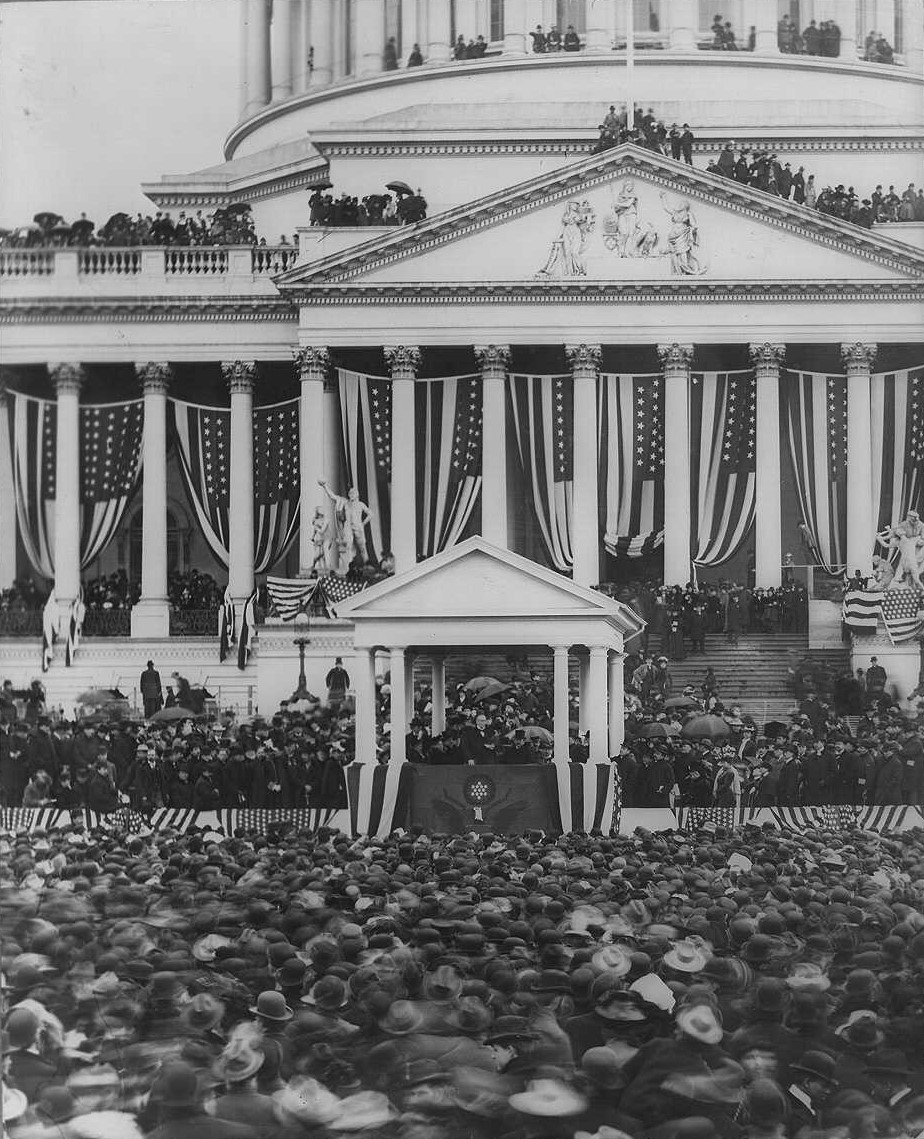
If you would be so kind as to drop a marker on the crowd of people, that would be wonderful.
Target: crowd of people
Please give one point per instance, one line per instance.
(702, 984)
(231, 225)
(186, 591)
(402, 208)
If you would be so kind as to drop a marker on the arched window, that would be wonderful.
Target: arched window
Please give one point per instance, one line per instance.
(174, 545)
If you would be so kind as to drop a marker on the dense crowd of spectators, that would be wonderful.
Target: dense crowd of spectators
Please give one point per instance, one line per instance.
(404, 208)
(232, 225)
(734, 983)
(23, 594)
(192, 590)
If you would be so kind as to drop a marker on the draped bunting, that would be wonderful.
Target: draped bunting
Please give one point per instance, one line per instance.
(110, 465)
(723, 470)
(449, 427)
(293, 595)
(203, 443)
(543, 414)
(365, 410)
(631, 433)
(897, 425)
(815, 408)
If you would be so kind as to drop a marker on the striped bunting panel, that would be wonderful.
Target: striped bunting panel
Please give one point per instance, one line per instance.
(861, 610)
(33, 818)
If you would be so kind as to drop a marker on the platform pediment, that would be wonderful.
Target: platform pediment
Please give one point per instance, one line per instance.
(620, 217)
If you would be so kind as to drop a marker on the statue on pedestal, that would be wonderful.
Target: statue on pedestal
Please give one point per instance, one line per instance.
(883, 574)
(908, 539)
(320, 529)
(350, 517)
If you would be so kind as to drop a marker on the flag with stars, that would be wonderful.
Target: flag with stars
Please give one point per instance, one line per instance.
(815, 412)
(903, 614)
(723, 476)
(543, 416)
(448, 416)
(202, 439)
(110, 464)
(365, 409)
(897, 425)
(631, 418)
(276, 484)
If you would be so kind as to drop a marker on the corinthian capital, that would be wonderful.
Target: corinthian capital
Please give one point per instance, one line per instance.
(155, 378)
(493, 359)
(858, 357)
(311, 363)
(239, 376)
(675, 356)
(767, 358)
(67, 377)
(583, 357)
(403, 360)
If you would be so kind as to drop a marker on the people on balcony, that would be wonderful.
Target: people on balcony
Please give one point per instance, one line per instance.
(878, 49)
(231, 225)
(372, 209)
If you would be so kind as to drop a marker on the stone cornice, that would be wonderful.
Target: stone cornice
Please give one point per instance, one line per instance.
(583, 176)
(149, 310)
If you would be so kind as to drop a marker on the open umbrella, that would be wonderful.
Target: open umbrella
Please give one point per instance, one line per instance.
(681, 702)
(96, 697)
(62, 230)
(706, 728)
(83, 225)
(46, 219)
(534, 732)
(399, 187)
(168, 715)
(657, 730)
(239, 208)
(495, 688)
(479, 682)
(325, 185)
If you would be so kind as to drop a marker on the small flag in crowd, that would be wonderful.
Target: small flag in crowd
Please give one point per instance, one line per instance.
(903, 614)
(50, 620)
(225, 625)
(248, 622)
(861, 610)
(74, 627)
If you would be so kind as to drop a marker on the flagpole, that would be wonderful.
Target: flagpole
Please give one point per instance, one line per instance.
(630, 65)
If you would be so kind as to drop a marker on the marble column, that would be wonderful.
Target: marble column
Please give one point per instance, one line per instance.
(312, 366)
(561, 710)
(398, 707)
(7, 496)
(409, 659)
(68, 379)
(617, 704)
(583, 692)
(364, 686)
(585, 538)
(913, 22)
(281, 40)
(596, 712)
(675, 360)
(493, 359)
(151, 615)
(298, 47)
(861, 518)
(370, 37)
(681, 25)
(321, 42)
(410, 30)
(439, 31)
(768, 527)
(766, 41)
(256, 72)
(515, 29)
(597, 35)
(437, 695)
(846, 16)
(239, 376)
(403, 362)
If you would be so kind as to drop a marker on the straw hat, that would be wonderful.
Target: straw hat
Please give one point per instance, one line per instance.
(612, 959)
(807, 977)
(238, 1062)
(700, 1022)
(548, 1098)
(685, 957)
(307, 1102)
(363, 1111)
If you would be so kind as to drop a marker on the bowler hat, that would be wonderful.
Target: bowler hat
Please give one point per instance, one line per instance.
(819, 1065)
(272, 1006)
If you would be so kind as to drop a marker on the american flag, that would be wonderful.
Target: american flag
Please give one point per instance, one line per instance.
(335, 589)
(543, 414)
(293, 595)
(631, 418)
(202, 436)
(903, 614)
(816, 419)
(723, 429)
(33, 818)
(276, 481)
(861, 609)
(448, 415)
(897, 427)
(365, 408)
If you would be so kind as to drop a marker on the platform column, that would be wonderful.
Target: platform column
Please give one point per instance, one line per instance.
(398, 707)
(364, 686)
(151, 616)
(494, 359)
(583, 694)
(239, 376)
(311, 367)
(7, 496)
(403, 362)
(514, 27)
(681, 25)
(255, 56)
(861, 522)
(846, 16)
(675, 360)
(597, 36)
(766, 41)
(370, 34)
(68, 379)
(585, 538)
(281, 38)
(437, 696)
(617, 706)
(321, 43)
(914, 35)
(560, 708)
(596, 711)
(768, 537)
(439, 31)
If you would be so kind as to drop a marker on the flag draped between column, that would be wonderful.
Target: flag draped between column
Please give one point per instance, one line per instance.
(365, 410)
(897, 427)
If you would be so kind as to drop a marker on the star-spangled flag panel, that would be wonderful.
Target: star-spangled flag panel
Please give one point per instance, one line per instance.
(563, 411)
(897, 436)
(380, 416)
(276, 452)
(739, 441)
(649, 427)
(110, 449)
(215, 446)
(903, 614)
(49, 448)
(837, 427)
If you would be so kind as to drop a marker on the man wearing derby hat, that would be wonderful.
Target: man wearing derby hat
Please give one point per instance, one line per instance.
(272, 1014)
(177, 1098)
(890, 1078)
(814, 1079)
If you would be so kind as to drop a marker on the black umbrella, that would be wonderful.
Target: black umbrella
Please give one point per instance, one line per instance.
(46, 219)
(325, 185)
(399, 187)
(83, 225)
(239, 208)
(62, 230)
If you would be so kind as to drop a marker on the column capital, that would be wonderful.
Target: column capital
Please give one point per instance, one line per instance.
(403, 360)
(583, 357)
(155, 377)
(767, 356)
(858, 357)
(67, 377)
(493, 358)
(239, 375)
(675, 356)
(311, 363)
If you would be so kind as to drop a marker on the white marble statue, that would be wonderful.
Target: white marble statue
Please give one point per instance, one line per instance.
(883, 574)
(908, 539)
(682, 238)
(350, 517)
(566, 256)
(320, 540)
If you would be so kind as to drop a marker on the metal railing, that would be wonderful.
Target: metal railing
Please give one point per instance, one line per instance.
(20, 623)
(193, 622)
(107, 623)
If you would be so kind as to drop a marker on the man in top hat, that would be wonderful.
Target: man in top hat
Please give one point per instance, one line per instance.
(152, 692)
(337, 681)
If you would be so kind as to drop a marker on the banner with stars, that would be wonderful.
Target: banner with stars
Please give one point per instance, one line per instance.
(202, 436)
(110, 464)
(543, 415)
(897, 424)
(723, 470)
(631, 418)
(448, 415)
(365, 410)
(815, 410)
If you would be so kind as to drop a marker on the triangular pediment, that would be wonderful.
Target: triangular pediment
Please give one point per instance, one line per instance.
(626, 215)
(478, 580)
